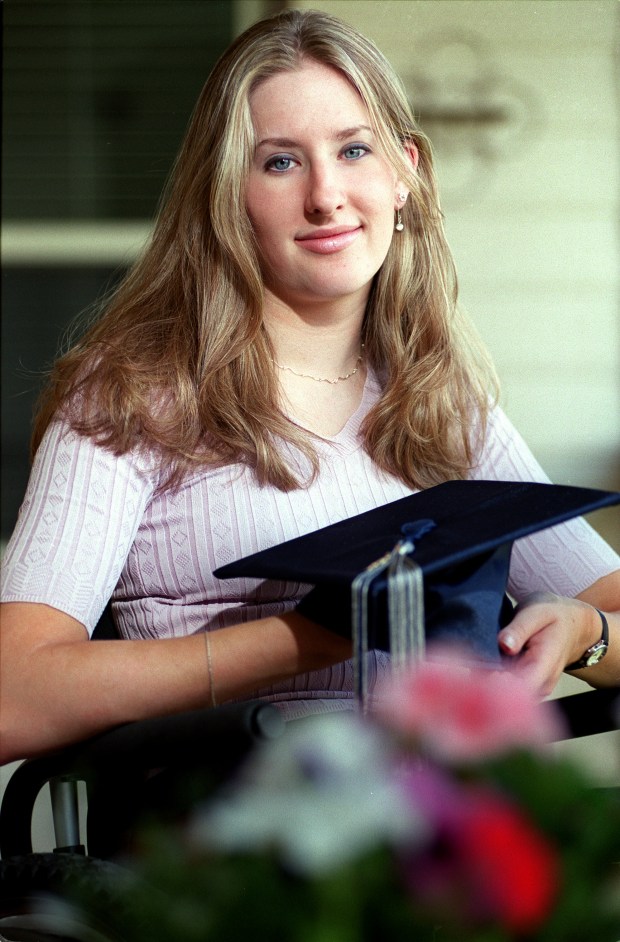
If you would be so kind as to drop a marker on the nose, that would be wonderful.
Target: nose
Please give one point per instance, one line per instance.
(325, 193)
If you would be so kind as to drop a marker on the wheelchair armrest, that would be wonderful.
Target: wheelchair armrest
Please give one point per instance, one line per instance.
(199, 738)
(182, 739)
(594, 711)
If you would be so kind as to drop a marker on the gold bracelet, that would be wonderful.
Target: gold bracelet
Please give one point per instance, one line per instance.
(210, 669)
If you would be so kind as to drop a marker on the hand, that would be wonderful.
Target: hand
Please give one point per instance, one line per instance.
(330, 606)
(547, 633)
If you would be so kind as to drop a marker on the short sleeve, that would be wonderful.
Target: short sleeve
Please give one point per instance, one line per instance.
(76, 525)
(565, 559)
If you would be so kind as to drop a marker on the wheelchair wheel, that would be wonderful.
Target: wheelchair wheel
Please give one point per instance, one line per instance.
(40, 893)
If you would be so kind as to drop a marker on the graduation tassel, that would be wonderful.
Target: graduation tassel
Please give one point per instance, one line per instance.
(405, 607)
(405, 613)
(360, 589)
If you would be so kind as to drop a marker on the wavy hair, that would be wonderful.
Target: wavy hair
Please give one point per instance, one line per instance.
(179, 362)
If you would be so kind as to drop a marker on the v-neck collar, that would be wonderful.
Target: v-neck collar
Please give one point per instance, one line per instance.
(348, 439)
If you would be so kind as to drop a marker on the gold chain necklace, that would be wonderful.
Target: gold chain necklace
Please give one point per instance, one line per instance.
(321, 379)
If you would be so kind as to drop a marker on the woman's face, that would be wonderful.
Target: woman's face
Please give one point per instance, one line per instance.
(320, 195)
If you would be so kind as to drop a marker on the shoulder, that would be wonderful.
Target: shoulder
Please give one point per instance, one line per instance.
(564, 559)
(67, 447)
(73, 479)
(82, 508)
(503, 453)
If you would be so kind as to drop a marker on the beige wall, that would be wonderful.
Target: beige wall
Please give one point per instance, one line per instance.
(531, 203)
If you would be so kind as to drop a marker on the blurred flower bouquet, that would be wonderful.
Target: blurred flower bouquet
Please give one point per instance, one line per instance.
(444, 815)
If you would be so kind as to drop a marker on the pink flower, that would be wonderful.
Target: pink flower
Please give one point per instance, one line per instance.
(456, 710)
(487, 861)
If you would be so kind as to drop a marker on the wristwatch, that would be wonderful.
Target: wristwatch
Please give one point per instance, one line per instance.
(595, 653)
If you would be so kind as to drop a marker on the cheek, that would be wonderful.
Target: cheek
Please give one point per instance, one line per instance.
(255, 205)
(266, 220)
(378, 199)
(384, 219)
(380, 207)
(266, 208)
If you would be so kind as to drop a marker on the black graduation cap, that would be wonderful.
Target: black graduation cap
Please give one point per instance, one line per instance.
(433, 564)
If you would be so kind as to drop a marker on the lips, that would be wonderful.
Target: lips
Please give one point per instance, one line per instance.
(327, 241)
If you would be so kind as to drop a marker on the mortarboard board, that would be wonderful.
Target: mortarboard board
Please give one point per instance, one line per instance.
(432, 564)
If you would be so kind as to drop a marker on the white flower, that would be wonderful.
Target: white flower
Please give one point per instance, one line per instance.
(322, 794)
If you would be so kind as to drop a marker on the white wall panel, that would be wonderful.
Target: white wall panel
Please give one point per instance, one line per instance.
(534, 230)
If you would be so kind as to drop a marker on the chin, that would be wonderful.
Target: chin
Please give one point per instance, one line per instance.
(335, 289)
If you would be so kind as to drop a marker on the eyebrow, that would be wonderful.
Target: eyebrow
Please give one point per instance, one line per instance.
(343, 135)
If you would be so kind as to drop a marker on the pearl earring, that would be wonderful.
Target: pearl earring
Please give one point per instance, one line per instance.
(402, 198)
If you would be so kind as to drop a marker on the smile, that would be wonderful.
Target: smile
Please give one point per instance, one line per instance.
(328, 241)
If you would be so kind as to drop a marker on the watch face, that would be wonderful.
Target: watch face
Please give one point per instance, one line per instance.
(597, 655)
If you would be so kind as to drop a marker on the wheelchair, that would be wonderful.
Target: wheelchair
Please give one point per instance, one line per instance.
(155, 769)
(151, 770)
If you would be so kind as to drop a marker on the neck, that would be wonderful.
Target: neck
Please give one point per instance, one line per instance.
(315, 310)
(325, 379)
(320, 347)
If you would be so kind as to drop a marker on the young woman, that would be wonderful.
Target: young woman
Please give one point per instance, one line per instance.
(288, 352)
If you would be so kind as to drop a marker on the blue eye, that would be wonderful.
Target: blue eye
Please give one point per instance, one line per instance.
(279, 164)
(355, 151)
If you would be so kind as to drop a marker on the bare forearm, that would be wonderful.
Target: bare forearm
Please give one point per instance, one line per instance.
(64, 692)
(55, 693)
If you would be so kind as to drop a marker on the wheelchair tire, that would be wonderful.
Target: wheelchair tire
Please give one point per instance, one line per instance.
(38, 894)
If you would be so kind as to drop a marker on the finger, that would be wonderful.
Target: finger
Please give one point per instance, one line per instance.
(527, 622)
(537, 661)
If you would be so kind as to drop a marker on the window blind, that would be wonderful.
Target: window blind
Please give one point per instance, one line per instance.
(97, 95)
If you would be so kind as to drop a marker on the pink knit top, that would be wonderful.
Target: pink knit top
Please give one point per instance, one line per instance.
(93, 527)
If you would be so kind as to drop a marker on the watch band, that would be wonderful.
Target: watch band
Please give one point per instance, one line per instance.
(596, 652)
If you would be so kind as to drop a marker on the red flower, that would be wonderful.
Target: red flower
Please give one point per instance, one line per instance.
(510, 868)
(487, 861)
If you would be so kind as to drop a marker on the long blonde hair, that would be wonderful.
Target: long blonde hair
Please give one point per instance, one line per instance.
(180, 363)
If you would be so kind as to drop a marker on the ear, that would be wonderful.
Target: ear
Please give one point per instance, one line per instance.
(401, 190)
(413, 153)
